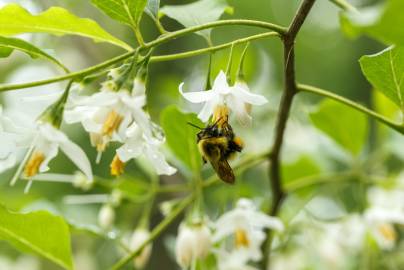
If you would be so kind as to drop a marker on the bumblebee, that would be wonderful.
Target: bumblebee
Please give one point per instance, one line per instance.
(217, 144)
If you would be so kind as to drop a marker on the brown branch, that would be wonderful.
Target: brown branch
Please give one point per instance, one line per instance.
(290, 89)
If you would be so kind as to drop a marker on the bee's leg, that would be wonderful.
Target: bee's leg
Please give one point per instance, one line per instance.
(204, 160)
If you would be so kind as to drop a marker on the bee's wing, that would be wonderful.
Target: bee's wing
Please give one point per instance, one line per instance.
(224, 171)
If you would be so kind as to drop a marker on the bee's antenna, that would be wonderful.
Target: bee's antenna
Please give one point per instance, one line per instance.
(193, 125)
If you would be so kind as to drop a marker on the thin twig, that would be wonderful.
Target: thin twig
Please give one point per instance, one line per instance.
(289, 92)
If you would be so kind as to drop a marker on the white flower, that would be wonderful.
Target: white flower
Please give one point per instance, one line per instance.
(386, 209)
(138, 143)
(139, 236)
(193, 242)
(235, 97)
(235, 260)
(106, 115)
(106, 216)
(44, 143)
(247, 225)
(8, 143)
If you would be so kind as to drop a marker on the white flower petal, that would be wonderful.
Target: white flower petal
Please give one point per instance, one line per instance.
(8, 162)
(220, 84)
(50, 153)
(78, 157)
(248, 97)
(207, 111)
(158, 160)
(130, 150)
(239, 108)
(103, 98)
(197, 97)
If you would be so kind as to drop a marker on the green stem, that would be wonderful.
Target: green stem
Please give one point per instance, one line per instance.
(211, 49)
(304, 182)
(165, 38)
(173, 35)
(344, 5)
(318, 91)
(155, 232)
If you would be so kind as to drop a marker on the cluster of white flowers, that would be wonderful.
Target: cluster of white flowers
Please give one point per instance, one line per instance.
(237, 98)
(235, 238)
(116, 113)
(335, 244)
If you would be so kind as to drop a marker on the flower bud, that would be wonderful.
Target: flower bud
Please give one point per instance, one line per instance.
(82, 182)
(139, 236)
(193, 242)
(106, 216)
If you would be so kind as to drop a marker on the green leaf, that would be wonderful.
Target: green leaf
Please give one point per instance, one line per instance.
(384, 23)
(152, 8)
(39, 232)
(181, 137)
(304, 166)
(197, 13)
(125, 11)
(385, 71)
(5, 52)
(344, 125)
(11, 44)
(16, 20)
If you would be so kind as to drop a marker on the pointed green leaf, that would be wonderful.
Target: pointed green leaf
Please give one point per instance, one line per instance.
(303, 167)
(344, 125)
(39, 232)
(16, 20)
(125, 11)
(383, 22)
(197, 13)
(181, 137)
(5, 52)
(152, 8)
(385, 71)
(21, 45)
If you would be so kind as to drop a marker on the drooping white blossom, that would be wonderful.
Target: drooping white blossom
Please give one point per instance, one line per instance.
(43, 144)
(193, 242)
(106, 115)
(106, 216)
(246, 224)
(234, 260)
(236, 97)
(386, 209)
(138, 143)
(139, 236)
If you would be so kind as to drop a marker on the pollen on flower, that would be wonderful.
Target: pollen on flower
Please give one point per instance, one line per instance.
(241, 238)
(388, 232)
(111, 123)
(117, 166)
(220, 115)
(32, 166)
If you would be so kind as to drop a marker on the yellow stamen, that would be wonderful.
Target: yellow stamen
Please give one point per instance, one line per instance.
(117, 166)
(220, 115)
(388, 232)
(241, 238)
(33, 164)
(111, 123)
(97, 140)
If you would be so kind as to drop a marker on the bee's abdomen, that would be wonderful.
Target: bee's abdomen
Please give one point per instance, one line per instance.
(213, 148)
